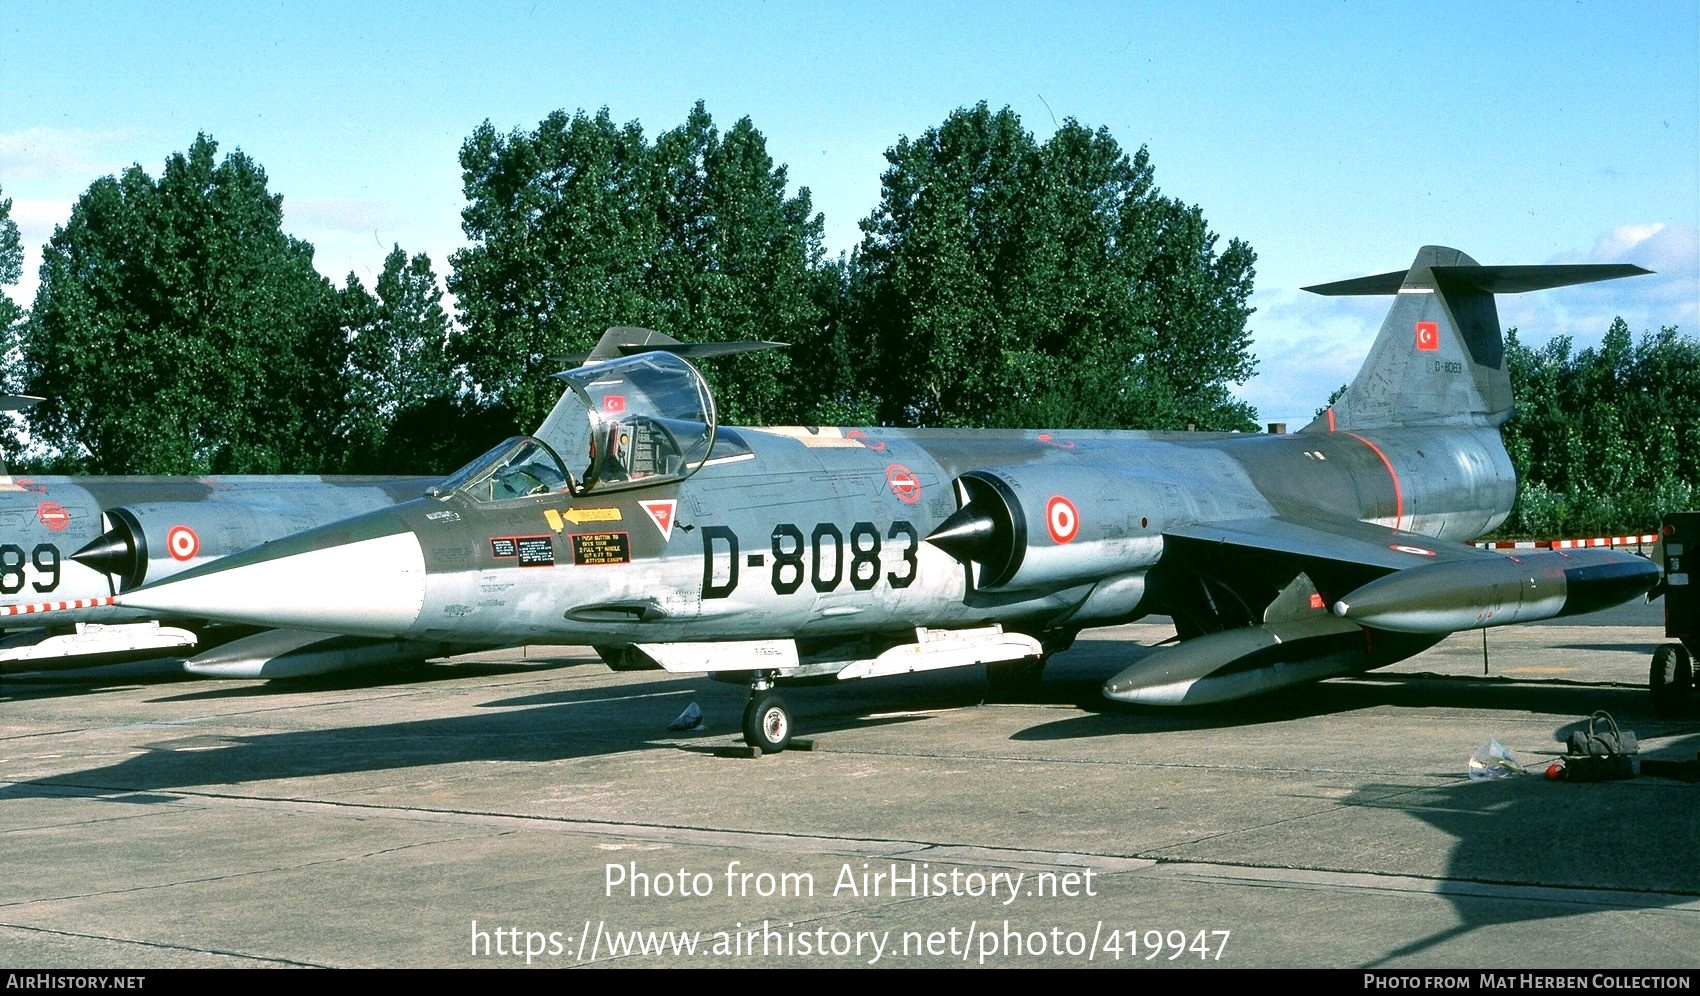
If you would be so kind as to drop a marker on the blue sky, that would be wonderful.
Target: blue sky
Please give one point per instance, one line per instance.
(1334, 137)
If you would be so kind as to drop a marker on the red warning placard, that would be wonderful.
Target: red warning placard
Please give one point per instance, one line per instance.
(53, 516)
(903, 482)
(661, 513)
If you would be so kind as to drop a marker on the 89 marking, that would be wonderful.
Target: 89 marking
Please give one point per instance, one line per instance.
(45, 557)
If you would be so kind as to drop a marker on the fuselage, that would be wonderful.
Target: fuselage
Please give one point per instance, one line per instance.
(816, 534)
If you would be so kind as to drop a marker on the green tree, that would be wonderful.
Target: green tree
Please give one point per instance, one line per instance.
(737, 259)
(1005, 282)
(561, 229)
(11, 268)
(178, 329)
(1604, 440)
(397, 362)
(583, 224)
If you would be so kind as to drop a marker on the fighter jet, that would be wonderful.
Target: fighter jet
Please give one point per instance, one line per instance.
(633, 521)
(68, 544)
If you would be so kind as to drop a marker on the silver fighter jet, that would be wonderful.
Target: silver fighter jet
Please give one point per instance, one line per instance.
(68, 544)
(633, 521)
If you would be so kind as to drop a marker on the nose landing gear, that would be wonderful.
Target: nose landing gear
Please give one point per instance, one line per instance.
(767, 719)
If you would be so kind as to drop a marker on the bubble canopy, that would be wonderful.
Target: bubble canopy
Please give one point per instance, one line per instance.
(632, 422)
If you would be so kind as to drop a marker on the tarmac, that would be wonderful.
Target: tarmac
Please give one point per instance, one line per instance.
(532, 807)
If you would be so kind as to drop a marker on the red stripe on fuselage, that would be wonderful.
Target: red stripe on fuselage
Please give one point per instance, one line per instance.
(1398, 493)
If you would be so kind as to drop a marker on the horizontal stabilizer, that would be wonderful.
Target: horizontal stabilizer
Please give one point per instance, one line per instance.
(1487, 279)
(706, 350)
(1439, 359)
(629, 340)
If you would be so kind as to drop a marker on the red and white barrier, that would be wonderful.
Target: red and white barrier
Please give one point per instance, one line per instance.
(1638, 543)
(30, 610)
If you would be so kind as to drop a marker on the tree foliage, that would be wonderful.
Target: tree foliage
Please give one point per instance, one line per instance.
(397, 365)
(583, 224)
(1605, 440)
(1006, 282)
(11, 269)
(1002, 281)
(11, 266)
(178, 329)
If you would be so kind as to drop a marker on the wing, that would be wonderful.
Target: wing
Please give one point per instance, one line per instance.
(1263, 604)
(1225, 575)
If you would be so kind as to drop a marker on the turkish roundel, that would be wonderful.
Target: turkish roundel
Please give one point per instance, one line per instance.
(1428, 336)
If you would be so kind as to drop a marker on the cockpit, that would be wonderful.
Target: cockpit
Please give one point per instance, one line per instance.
(631, 422)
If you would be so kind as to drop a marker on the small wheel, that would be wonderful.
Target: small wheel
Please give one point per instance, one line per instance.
(767, 723)
(1670, 679)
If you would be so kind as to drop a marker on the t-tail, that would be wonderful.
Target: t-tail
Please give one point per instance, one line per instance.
(1440, 358)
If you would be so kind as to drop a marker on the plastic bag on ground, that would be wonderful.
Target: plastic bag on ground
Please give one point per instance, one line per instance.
(1492, 760)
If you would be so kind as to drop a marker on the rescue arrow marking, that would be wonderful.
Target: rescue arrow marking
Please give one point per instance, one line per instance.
(581, 515)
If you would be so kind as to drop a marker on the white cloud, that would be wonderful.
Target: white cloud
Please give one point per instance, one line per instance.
(1618, 243)
(301, 215)
(1670, 295)
(63, 155)
(36, 220)
(1306, 347)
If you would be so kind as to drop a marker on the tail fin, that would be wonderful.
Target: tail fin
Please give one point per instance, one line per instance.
(1439, 359)
(15, 403)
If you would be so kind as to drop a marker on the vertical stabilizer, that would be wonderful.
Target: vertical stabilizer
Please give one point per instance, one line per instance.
(1440, 358)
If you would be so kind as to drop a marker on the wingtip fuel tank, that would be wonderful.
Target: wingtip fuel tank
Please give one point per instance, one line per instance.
(1498, 590)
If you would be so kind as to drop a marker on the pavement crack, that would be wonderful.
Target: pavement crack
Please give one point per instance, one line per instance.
(165, 946)
(249, 873)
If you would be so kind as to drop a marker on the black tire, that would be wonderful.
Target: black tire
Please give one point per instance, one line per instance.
(767, 723)
(1670, 679)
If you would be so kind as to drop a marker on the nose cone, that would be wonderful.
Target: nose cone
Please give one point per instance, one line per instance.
(364, 576)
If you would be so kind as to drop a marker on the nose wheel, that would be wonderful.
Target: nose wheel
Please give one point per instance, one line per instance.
(767, 719)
